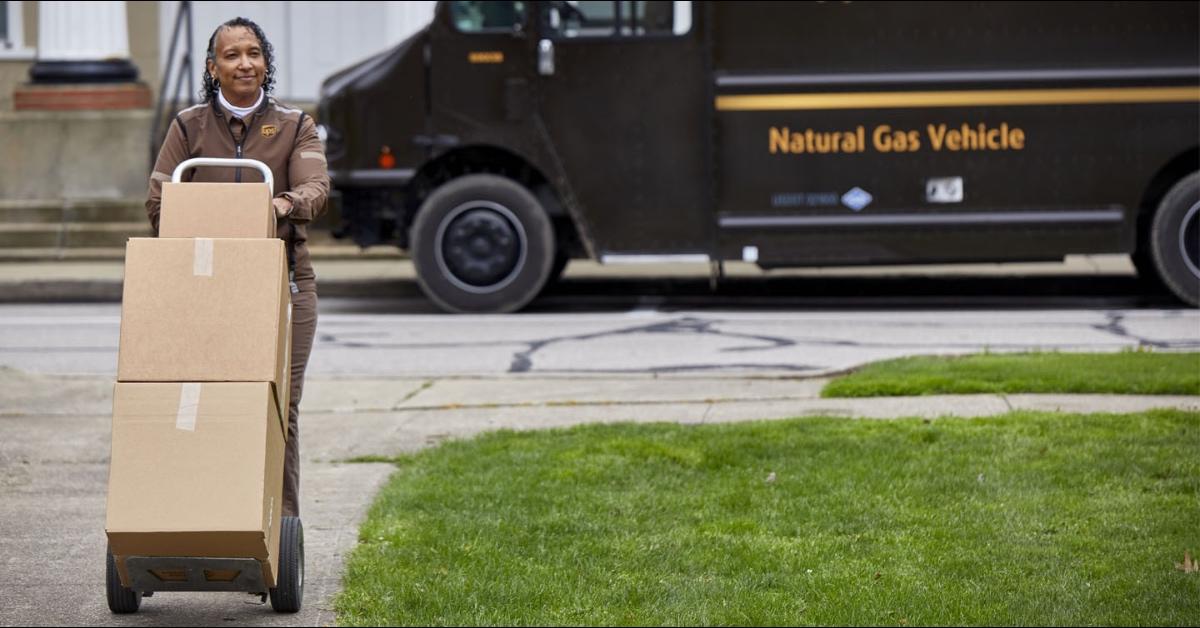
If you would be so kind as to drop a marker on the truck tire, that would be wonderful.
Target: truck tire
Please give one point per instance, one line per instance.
(121, 600)
(1175, 239)
(482, 243)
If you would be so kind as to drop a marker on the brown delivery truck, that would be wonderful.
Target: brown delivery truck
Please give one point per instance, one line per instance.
(508, 137)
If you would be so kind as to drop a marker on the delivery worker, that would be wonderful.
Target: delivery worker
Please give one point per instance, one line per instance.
(239, 118)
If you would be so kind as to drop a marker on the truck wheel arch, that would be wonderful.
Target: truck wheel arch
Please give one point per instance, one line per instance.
(477, 159)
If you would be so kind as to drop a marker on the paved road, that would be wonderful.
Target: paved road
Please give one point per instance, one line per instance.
(355, 340)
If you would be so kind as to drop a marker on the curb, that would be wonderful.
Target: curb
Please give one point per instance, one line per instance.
(66, 291)
(109, 290)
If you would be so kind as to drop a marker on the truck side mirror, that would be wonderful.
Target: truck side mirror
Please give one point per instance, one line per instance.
(545, 57)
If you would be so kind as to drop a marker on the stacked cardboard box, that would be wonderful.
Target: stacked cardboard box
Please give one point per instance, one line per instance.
(201, 400)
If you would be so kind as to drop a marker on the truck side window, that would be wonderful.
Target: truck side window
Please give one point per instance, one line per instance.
(487, 17)
(656, 18)
(572, 18)
(581, 18)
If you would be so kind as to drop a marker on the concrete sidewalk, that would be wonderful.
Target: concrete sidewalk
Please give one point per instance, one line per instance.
(54, 443)
(382, 271)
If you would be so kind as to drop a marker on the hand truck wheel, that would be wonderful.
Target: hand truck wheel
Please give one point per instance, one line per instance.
(121, 600)
(288, 593)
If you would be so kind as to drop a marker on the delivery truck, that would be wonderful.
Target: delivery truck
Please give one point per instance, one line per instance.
(506, 138)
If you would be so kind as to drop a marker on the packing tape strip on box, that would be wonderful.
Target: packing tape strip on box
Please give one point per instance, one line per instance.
(202, 258)
(189, 407)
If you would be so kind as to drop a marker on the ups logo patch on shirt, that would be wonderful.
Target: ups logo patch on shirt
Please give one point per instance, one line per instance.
(269, 130)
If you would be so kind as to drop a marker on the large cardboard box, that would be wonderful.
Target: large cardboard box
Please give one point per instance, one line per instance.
(206, 310)
(216, 210)
(196, 471)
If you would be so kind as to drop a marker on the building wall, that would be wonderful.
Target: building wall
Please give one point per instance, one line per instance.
(30, 9)
(50, 157)
(144, 42)
(14, 67)
(12, 74)
(312, 40)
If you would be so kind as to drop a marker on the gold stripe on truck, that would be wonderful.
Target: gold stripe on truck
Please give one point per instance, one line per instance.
(977, 98)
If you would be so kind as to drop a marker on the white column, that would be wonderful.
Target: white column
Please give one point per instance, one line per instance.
(82, 31)
(82, 42)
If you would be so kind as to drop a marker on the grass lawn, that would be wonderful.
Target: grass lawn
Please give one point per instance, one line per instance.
(1127, 373)
(1023, 519)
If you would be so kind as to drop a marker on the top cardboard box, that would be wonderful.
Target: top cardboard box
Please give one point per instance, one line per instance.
(216, 210)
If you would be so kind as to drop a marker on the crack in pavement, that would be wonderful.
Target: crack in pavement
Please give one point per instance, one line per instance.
(1115, 325)
(522, 361)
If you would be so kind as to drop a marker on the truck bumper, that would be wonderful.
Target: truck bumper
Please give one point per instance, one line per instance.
(394, 178)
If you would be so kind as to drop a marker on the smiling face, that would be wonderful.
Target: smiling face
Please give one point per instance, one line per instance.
(240, 65)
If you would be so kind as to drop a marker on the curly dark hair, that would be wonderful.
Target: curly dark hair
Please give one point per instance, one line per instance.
(208, 90)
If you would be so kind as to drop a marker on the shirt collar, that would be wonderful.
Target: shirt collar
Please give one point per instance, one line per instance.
(239, 112)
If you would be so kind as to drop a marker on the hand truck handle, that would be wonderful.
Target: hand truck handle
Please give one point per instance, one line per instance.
(220, 162)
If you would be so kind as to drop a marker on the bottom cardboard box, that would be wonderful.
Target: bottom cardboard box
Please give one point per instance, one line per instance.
(196, 471)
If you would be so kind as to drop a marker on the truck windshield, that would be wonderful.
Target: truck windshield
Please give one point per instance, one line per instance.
(583, 18)
(487, 17)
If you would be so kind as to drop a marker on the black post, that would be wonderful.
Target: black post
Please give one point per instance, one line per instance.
(183, 18)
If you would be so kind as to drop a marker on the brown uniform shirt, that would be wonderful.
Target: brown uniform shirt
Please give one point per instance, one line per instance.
(283, 138)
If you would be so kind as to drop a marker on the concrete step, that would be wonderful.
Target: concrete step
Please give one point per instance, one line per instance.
(33, 235)
(105, 253)
(73, 234)
(48, 228)
(72, 210)
(97, 229)
(49, 253)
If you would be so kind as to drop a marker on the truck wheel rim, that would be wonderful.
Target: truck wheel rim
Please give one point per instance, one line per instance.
(480, 247)
(1189, 239)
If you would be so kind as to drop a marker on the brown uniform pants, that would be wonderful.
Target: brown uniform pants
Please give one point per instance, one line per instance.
(304, 327)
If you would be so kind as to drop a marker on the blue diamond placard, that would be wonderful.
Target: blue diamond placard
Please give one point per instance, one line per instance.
(857, 198)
